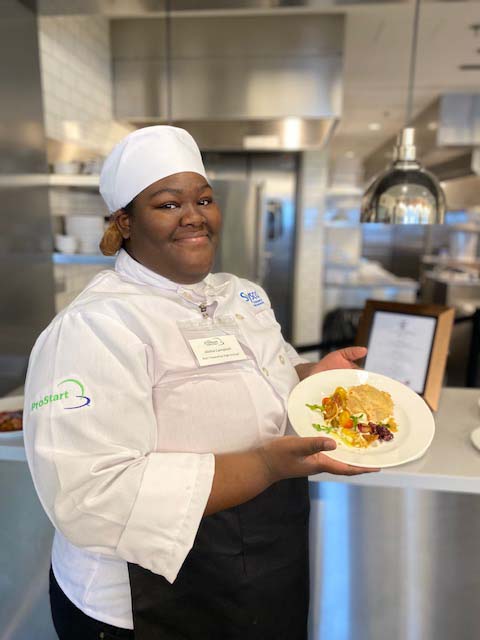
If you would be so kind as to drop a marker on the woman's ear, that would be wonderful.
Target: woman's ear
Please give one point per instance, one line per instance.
(123, 220)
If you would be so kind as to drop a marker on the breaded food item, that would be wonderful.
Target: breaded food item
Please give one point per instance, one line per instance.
(375, 404)
(10, 421)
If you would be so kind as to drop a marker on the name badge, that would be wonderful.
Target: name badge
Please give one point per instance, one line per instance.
(217, 350)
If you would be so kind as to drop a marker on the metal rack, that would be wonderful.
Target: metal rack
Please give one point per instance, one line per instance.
(49, 180)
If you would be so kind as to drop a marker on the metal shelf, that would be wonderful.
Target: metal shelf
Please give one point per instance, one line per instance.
(86, 181)
(49, 180)
(468, 227)
(82, 258)
(371, 285)
(450, 262)
(344, 191)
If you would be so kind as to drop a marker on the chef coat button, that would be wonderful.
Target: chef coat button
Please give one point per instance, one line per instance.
(282, 359)
(239, 316)
(265, 371)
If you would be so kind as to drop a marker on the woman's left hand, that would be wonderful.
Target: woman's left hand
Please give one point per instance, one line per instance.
(341, 359)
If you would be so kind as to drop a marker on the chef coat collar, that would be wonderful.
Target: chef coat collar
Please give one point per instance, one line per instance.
(133, 270)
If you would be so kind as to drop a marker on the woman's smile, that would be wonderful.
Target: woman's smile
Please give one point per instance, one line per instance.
(194, 239)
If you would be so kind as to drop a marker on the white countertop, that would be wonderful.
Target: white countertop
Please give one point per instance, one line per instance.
(451, 464)
(12, 450)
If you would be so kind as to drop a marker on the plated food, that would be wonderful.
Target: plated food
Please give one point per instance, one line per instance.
(360, 416)
(10, 421)
(376, 421)
(11, 414)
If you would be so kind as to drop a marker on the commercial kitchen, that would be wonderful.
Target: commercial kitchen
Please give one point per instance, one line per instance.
(297, 107)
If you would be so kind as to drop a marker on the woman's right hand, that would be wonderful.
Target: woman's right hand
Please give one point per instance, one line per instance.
(240, 476)
(294, 457)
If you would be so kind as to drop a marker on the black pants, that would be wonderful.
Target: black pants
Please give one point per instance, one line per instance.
(72, 624)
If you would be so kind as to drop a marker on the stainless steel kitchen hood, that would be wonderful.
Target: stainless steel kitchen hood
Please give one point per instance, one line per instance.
(257, 135)
(461, 179)
(242, 82)
(446, 132)
(448, 144)
(151, 8)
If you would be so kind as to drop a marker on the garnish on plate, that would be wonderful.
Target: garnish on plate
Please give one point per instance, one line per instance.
(360, 416)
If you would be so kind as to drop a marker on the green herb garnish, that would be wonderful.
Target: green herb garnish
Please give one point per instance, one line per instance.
(323, 427)
(316, 407)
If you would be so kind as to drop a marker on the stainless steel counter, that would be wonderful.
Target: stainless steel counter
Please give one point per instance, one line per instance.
(394, 555)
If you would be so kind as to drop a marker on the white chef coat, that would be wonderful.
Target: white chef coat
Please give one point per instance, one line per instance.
(121, 422)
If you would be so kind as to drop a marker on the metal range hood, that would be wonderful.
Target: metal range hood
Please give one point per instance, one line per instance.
(243, 82)
(257, 135)
(448, 144)
(158, 8)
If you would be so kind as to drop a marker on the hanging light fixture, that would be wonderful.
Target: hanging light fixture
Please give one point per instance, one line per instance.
(405, 193)
(168, 63)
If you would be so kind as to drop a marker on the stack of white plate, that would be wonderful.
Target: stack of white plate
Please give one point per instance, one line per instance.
(88, 231)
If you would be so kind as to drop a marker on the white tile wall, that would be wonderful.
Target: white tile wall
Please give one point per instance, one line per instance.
(66, 202)
(308, 279)
(77, 83)
(77, 91)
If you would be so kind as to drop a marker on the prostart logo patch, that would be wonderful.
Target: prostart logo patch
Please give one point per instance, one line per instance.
(71, 394)
(253, 297)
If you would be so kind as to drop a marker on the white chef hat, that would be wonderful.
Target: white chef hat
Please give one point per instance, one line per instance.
(142, 158)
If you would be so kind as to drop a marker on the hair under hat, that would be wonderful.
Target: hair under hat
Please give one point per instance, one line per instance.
(137, 161)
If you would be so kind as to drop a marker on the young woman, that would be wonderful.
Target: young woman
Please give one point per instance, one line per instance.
(156, 427)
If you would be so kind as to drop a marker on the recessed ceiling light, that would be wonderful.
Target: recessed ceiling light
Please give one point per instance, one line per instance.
(261, 142)
(374, 126)
(432, 126)
(292, 131)
(349, 154)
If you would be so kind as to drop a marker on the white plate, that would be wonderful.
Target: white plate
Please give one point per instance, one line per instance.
(416, 426)
(11, 403)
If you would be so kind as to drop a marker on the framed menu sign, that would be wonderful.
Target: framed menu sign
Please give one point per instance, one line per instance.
(407, 342)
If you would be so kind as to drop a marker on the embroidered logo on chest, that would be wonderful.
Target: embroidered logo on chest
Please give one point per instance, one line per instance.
(252, 297)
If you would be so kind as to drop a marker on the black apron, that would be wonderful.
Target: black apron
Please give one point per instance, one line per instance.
(245, 578)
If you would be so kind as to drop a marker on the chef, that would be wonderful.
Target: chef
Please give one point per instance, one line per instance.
(156, 428)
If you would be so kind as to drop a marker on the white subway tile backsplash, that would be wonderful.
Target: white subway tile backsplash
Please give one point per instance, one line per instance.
(77, 84)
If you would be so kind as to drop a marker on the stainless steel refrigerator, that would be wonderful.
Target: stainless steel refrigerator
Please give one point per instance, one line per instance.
(257, 196)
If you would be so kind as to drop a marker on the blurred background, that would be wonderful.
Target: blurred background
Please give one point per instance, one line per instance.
(296, 105)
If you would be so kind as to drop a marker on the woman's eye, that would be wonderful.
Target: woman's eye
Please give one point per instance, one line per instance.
(205, 201)
(168, 205)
